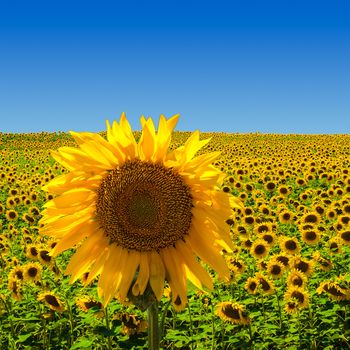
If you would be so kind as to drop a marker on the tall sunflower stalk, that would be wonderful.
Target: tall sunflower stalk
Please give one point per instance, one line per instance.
(139, 215)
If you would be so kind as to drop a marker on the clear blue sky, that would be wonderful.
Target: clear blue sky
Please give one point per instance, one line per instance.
(237, 65)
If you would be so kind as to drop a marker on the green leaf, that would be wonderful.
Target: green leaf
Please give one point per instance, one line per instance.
(23, 337)
(82, 344)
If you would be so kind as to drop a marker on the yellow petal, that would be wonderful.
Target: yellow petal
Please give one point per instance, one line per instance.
(156, 274)
(111, 272)
(146, 145)
(175, 269)
(97, 266)
(86, 254)
(208, 253)
(133, 261)
(195, 272)
(165, 129)
(76, 196)
(75, 236)
(143, 275)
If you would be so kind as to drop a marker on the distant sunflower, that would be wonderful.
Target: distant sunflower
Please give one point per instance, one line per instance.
(17, 273)
(313, 218)
(32, 251)
(232, 312)
(333, 290)
(264, 227)
(324, 264)
(275, 268)
(11, 215)
(286, 217)
(269, 238)
(283, 258)
(265, 284)
(86, 303)
(291, 306)
(141, 213)
(296, 278)
(259, 249)
(345, 236)
(303, 265)
(44, 257)
(132, 324)
(32, 271)
(15, 287)
(52, 301)
(299, 295)
(251, 285)
(311, 236)
(289, 245)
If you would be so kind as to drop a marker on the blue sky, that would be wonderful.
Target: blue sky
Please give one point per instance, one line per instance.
(235, 66)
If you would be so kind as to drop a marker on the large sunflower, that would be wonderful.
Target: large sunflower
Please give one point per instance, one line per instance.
(138, 214)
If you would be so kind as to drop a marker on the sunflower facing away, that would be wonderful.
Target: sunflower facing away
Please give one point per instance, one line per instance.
(138, 214)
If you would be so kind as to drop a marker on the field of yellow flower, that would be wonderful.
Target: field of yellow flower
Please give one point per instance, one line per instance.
(290, 276)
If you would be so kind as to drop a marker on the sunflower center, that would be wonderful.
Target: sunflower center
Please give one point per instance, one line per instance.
(144, 206)
(142, 209)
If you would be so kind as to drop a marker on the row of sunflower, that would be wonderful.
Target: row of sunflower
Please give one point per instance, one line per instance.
(288, 267)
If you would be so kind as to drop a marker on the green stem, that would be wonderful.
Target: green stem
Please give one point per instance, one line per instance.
(162, 320)
(191, 323)
(213, 328)
(279, 309)
(8, 310)
(153, 326)
(109, 340)
(250, 336)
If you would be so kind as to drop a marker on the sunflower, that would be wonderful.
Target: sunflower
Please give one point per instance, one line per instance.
(303, 265)
(232, 312)
(296, 278)
(17, 273)
(142, 215)
(86, 303)
(32, 251)
(333, 290)
(269, 238)
(275, 268)
(259, 249)
(32, 272)
(265, 284)
(298, 295)
(264, 227)
(52, 301)
(311, 236)
(11, 215)
(44, 257)
(132, 324)
(291, 306)
(283, 258)
(289, 245)
(334, 245)
(29, 219)
(286, 217)
(15, 287)
(235, 264)
(313, 218)
(251, 285)
(324, 264)
(345, 236)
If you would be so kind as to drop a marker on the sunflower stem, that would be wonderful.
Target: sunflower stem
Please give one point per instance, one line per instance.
(108, 326)
(153, 326)
(191, 323)
(162, 321)
(279, 310)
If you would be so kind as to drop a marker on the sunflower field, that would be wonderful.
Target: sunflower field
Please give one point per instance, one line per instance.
(289, 284)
